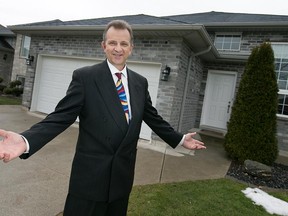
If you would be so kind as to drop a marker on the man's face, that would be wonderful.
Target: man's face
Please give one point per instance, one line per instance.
(117, 46)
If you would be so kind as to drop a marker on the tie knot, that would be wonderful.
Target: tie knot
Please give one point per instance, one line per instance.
(118, 75)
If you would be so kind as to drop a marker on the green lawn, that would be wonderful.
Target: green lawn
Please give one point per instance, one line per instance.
(221, 197)
(9, 100)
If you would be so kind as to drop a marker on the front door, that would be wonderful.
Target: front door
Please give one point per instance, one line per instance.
(218, 100)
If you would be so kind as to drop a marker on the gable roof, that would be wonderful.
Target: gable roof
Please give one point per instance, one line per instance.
(144, 23)
(223, 17)
(139, 19)
(216, 20)
(6, 32)
(234, 21)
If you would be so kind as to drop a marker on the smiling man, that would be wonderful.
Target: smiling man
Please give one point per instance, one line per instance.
(111, 102)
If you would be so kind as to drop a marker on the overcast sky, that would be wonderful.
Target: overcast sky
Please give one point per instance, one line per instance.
(28, 11)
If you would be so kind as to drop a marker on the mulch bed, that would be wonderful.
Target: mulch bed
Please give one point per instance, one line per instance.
(279, 179)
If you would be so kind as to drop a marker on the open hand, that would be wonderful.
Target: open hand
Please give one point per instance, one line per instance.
(191, 143)
(12, 145)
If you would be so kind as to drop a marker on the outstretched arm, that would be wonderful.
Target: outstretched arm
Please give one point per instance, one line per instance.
(191, 143)
(12, 145)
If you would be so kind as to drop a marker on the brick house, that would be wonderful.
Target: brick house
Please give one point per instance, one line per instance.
(7, 44)
(206, 53)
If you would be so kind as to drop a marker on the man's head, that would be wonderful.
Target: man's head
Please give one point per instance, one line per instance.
(118, 42)
(119, 24)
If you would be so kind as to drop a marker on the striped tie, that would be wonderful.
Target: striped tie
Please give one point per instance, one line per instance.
(122, 95)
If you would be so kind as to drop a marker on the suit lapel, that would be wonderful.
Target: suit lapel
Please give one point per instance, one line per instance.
(134, 88)
(107, 89)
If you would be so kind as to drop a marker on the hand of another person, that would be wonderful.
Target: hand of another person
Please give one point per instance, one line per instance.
(12, 145)
(191, 143)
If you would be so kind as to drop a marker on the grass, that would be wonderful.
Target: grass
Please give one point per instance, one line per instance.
(221, 197)
(9, 100)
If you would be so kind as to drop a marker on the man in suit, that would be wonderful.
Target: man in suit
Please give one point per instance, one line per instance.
(103, 166)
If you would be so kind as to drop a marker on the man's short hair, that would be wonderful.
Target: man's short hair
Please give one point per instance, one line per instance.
(119, 24)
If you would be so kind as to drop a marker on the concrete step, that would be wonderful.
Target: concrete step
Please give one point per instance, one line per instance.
(209, 133)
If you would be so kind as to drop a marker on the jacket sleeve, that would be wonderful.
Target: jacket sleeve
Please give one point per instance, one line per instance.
(64, 115)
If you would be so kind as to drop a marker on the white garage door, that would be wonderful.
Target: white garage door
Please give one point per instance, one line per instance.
(152, 74)
(54, 73)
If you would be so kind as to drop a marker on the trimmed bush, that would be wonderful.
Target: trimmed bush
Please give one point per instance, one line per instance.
(14, 88)
(7, 91)
(15, 83)
(2, 87)
(17, 91)
(251, 131)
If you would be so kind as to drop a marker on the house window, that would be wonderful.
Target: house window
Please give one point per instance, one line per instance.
(281, 69)
(25, 47)
(230, 42)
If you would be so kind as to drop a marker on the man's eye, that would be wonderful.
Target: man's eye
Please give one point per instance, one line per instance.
(113, 43)
(124, 44)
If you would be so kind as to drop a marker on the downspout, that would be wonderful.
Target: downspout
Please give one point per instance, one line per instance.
(187, 83)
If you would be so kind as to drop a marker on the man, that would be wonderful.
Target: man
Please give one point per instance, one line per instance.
(103, 166)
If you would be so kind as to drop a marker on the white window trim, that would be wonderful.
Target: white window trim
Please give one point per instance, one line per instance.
(229, 33)
(281, 91)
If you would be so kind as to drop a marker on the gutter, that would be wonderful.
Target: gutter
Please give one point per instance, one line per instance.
(203, 51)
(33, 29)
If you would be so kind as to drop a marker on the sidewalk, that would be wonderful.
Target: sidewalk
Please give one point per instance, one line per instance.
(38, 186)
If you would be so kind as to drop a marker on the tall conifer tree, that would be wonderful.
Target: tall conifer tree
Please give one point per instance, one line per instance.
(251, 131)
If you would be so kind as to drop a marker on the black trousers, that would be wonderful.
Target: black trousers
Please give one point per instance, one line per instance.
(76, 206)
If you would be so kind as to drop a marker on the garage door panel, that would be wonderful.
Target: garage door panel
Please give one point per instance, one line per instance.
(54, 75)
(152, 73)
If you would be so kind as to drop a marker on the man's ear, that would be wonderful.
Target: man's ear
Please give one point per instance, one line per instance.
(131, 49)
(103, 45)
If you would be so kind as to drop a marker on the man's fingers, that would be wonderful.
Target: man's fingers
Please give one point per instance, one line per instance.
(6, 158)
(3, 133)
(198, 141)
(192, 134)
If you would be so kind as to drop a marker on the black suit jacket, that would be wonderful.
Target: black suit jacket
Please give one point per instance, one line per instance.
(104, 161)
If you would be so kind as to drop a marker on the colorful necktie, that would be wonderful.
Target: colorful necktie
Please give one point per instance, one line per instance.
(122, 95)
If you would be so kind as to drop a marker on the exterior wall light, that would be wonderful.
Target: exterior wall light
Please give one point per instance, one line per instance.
(165, 73)
(29, 60)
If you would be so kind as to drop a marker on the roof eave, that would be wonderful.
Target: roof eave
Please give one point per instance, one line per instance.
(91, 28)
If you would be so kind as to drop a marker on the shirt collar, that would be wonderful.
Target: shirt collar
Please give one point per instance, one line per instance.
(114, 70)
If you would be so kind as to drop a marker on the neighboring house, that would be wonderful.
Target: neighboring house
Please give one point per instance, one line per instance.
(206, 53)
(7, 44)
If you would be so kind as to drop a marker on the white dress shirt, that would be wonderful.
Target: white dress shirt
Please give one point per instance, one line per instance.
(124, 78)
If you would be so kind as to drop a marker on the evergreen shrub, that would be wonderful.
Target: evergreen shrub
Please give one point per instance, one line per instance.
(251, 130)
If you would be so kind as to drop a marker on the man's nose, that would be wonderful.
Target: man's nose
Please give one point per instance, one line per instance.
(117, 47)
